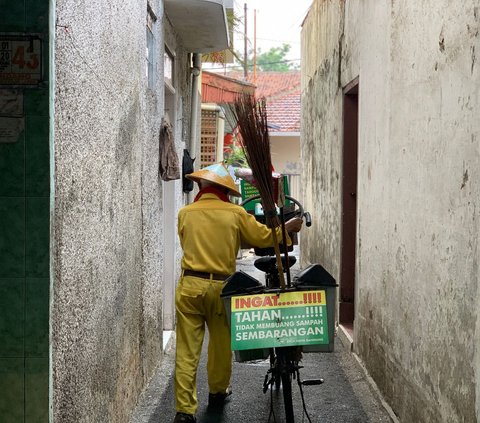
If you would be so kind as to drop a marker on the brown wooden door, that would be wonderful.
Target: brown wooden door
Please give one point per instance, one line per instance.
(349, 203)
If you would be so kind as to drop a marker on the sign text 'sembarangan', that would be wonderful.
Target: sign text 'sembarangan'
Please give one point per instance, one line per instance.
(274, 320)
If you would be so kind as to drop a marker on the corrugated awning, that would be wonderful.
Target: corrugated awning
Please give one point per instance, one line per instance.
(217, 88)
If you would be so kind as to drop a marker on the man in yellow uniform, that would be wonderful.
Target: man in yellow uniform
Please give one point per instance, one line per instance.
(211, 230)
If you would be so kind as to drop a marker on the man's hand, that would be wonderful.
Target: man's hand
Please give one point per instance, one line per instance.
(294, 224)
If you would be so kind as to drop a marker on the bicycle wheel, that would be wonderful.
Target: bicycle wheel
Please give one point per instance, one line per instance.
(285, 365)
(275, 370)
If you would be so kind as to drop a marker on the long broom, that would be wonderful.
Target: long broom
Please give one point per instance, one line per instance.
(251, 116)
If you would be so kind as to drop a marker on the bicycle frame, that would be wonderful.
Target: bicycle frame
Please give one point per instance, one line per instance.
(284, 361)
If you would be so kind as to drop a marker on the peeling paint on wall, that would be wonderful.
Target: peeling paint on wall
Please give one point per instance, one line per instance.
(416, 324)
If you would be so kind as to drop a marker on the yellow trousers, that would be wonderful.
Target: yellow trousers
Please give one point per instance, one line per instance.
(197, 302)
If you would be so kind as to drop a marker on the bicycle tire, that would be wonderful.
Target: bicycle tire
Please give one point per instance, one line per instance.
(287, 397)
(284, 366)
(277, 380)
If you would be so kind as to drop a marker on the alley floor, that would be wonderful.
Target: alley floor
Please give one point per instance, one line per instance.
(345, 397)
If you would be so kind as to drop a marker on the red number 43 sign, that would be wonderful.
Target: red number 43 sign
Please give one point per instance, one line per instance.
(20, 60)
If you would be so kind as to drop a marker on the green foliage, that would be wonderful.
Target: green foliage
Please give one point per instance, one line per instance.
(274, 59)
(235, 157)
(271, 60)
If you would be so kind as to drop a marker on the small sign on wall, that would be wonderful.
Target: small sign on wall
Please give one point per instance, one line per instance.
(10, 129)
(20, 60)
(11, 102)
(12, 121)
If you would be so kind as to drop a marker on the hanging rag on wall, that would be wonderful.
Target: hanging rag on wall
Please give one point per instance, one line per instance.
(187, 167)
(169, 163)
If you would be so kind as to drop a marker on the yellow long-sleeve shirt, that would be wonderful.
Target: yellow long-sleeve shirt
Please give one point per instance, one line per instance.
(211, 231)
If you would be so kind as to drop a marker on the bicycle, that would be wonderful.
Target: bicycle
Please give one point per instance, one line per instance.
(284, 361)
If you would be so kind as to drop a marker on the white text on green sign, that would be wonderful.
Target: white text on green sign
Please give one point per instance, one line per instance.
(274, 320)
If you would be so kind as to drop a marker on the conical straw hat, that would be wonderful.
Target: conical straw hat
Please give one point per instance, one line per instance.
(218, 174)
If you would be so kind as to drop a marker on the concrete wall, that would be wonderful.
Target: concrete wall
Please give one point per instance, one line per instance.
(416, 320)
(173, 197)
(320, 129)
(107, 217)
(285, 150)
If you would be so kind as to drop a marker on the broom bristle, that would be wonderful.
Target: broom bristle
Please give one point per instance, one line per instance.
(251, 116)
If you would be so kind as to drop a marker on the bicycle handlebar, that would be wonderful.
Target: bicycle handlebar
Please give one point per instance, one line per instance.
(308, 219)
(303, 214)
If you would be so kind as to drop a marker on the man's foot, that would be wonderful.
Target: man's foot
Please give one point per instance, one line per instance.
(184, 418)
(218, 399)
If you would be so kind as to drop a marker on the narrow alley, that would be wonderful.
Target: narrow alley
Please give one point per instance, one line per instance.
(107, 109)
(346, 396)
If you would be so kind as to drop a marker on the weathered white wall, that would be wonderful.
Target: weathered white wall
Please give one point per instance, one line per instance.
(285, 151)
(173, 190)
(107, 222)
(320, 129)
(416, 319)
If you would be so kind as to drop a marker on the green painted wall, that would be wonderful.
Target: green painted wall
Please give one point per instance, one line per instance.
(24, 239)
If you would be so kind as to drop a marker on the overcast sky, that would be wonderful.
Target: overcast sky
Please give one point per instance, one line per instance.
(278, 22)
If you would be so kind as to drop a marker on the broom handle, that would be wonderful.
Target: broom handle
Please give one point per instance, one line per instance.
(285, 246)
(279, 260)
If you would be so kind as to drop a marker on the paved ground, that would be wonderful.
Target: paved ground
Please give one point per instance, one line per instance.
(345, 397)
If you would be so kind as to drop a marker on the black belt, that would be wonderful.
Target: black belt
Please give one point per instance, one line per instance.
(205, 275)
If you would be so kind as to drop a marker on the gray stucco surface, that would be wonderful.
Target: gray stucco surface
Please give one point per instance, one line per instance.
(107, 252)
(416, 318)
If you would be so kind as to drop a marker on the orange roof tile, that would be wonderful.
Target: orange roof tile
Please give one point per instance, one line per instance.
(282, 92)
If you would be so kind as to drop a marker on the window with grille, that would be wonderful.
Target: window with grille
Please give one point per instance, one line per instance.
(208, 145)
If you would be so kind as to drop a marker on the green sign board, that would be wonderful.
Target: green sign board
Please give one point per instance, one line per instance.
(248, 190)
(279, 320)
